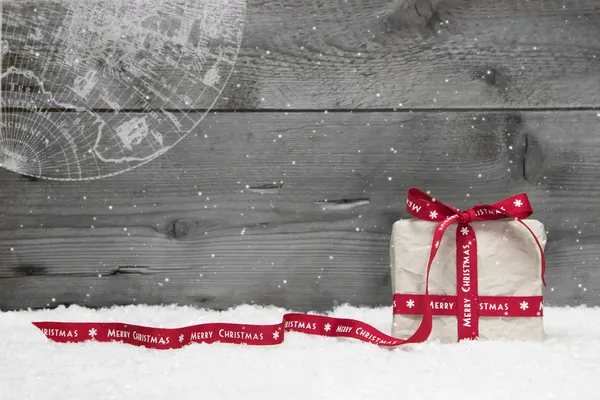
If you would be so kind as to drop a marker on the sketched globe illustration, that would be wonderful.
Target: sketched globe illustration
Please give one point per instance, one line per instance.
(94, 88)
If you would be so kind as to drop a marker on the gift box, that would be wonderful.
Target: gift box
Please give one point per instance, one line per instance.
(482, 280)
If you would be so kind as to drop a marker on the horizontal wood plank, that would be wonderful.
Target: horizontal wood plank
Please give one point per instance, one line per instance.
(377, 54)
(295, 209)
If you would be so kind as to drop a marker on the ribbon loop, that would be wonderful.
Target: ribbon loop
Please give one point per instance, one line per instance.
(422, 206)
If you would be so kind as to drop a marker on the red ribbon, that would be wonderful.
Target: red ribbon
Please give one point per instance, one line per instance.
(418, 204)
(489, 306)
(254, 335)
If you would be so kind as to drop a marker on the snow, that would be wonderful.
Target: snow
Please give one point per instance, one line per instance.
(565, 366)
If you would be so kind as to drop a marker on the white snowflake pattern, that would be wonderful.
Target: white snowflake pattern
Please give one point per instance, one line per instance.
(410, 303)
(327, 327)
(433, 215)
(92, 333)
(437, 244)
(181, 338)
(276, 335)
(465, 231)
(524, 305)
(518, 203)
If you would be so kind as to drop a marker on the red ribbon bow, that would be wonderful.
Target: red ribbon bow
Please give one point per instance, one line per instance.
(423, 206)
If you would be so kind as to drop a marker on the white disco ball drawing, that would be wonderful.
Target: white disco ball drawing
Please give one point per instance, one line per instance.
(95, 88)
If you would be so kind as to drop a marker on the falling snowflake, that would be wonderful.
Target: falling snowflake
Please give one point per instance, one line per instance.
(464, 231)
(93, 332)
(518, 203)
(276, 335)
(433, 215)
(327, 327)
(410, 303)
(181, 338)
(437, 244)
(524, 305)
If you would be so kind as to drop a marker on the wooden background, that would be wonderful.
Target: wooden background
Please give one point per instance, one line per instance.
(286, 194)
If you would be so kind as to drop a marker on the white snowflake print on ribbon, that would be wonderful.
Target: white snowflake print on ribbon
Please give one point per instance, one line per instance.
(524, 305)
(327, 327)
(410, 303)
(464, 231)
(433, 215)
(437, 244)
(518, 203)
(92, 333)
(181, 338)
(276, 335)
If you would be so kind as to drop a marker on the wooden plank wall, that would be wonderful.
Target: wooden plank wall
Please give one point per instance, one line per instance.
(286, 194)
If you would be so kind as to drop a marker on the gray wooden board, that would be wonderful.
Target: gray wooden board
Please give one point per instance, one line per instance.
(382, 54)
(295, 209)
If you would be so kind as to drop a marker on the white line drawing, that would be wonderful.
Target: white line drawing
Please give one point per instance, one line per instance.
(212, 76)
(36, 34)
(172, 118)
(108, 100)
(133, 132)
(84, 84)
(107, 86)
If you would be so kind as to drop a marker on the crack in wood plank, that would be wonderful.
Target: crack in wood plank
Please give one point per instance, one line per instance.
(343, 204)
(268, 188)
(131, 269)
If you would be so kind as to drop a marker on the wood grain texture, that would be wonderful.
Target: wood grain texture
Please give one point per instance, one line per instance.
(384, 54)
(295, 210)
